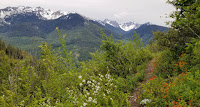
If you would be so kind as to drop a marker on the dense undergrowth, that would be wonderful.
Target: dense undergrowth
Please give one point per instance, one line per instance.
(176, 82)
(177, 63)
(54, 80)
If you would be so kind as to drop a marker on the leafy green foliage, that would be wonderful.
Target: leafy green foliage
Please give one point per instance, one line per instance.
(187, 17)
(54, 80)
(176, 69)
(122, 59)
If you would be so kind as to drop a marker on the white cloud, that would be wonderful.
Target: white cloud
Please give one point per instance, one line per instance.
(121, 15)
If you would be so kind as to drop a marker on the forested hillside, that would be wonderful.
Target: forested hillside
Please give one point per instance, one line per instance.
(145, 32)
(11, 51)
(28, 27)
(28, 30)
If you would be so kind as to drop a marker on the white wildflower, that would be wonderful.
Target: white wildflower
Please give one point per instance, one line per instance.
(80, 84)
(95, 92)
(108, 91)
(93, 84)
(84, 104)
(48, 101)
(95, 101)
(88, 82)
(89, 99)
(57, 101)
(83, 80)
(145, 101)
(94, 81)
(107, 76)
(80, 77)
(98, 87)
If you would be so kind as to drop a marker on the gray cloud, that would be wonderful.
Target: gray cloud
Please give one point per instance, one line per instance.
(140, 11)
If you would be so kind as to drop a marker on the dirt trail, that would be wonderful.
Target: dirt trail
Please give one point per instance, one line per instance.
(135, 94)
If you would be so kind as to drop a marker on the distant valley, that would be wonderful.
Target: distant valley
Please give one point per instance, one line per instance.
(27, 28)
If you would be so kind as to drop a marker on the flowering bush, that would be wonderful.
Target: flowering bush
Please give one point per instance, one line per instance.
(178, 91)
(96, 90)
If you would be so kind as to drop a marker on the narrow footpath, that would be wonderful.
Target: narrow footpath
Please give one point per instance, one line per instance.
(133, 100)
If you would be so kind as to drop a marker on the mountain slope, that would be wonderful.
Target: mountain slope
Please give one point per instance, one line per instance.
(26, 28)
(145, 32)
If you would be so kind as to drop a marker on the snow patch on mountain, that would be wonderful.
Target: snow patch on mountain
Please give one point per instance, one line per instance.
(112, 23)
(129, 25)
(125, 26)
(42, 13)
(46, 14)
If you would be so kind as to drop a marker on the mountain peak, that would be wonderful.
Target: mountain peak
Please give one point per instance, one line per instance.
(110, 22)
(129, 25)
(125, 26)
(45, 14)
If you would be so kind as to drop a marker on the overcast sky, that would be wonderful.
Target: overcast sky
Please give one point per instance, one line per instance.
(141, 11)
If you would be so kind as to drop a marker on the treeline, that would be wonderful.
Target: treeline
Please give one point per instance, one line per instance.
(11, 51)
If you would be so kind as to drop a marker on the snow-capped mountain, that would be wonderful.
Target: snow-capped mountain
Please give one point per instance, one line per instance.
(17, 23)
(20, 14)
(44, 14)
(129, 25)
(28, 21)
(8, 13)
(125, 26)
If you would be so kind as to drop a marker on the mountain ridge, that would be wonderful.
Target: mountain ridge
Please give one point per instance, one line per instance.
(47, 14)
(27, 29)
(41, 12)
(127, 26)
